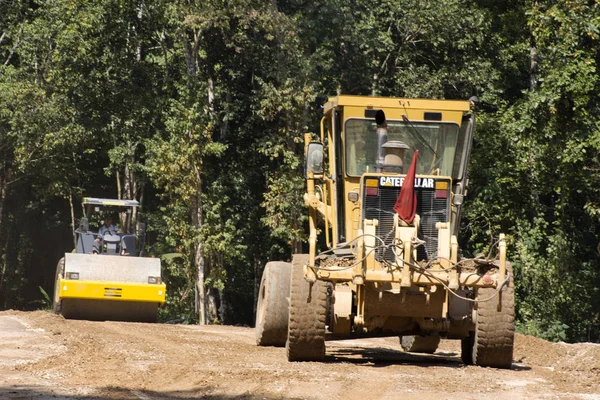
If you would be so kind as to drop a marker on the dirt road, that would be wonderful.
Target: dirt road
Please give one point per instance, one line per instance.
(43, 356)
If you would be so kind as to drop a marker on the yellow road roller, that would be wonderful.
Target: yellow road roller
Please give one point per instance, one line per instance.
(107, 277)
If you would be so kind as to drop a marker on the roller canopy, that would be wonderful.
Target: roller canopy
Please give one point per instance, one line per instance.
(110, 202)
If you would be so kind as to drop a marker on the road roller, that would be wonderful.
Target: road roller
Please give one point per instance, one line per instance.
(107, 276)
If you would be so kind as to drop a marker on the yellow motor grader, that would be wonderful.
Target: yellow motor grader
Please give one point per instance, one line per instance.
(386, 181)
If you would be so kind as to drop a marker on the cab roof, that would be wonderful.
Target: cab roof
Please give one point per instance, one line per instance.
(396, 102)
(110, 202)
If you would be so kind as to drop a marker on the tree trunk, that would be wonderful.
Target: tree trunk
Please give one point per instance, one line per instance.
(533, 61)
(2, 197)
(119, 194)
(140, 14)
(127, 180)
(223, 315)
(4, 246)
(224, 126)
(296, 244)
(72, 218)
(191, 60)
(126, 185)
(141, 201)
(223, 307)
(4, 179)
(374, 83)
(212, 309)
(533, 58)
(257, 278)
(211, 94)
(199, 262)
(129, 185)
(4, 182)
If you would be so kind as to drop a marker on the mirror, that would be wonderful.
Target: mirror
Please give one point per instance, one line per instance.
(458, 199)
(314, 158)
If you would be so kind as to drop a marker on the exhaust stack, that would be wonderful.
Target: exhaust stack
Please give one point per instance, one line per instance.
(381, 140)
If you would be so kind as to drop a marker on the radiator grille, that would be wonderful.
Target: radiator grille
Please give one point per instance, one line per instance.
(430, 209)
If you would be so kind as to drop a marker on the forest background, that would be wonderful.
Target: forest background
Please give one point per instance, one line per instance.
(197, 110)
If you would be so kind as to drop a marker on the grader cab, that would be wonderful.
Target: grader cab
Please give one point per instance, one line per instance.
(388, 188)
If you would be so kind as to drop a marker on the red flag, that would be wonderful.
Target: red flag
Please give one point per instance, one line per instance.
(406, 203)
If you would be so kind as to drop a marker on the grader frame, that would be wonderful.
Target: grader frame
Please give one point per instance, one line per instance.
(385, 274)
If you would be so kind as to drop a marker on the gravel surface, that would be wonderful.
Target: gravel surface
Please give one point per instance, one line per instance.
(43, 356)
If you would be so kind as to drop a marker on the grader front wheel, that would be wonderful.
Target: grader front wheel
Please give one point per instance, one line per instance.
(272, 310)
(306, 331)
(491, 345)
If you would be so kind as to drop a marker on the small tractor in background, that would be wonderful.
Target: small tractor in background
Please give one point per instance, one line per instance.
(392, 265)
(107, 277)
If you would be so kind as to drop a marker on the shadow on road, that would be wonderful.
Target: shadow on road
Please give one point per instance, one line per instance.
(112, 393)
(383, 357)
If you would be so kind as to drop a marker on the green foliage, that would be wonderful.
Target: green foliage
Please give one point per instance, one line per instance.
(535, 175)
(47, 300)
(554, 331)
(198, 109)
(180, 288)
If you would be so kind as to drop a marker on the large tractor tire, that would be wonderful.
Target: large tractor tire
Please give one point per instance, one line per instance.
(491, 345)
(272, 310)
(56, 301)
(308, 302)
(420, 344)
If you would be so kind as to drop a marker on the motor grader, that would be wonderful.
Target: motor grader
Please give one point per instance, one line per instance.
(386, 180)
(106, 276)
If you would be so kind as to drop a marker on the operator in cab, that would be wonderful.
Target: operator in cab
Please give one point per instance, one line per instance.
(107, 228)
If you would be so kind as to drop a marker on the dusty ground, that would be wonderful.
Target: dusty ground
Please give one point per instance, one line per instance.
(43, 356)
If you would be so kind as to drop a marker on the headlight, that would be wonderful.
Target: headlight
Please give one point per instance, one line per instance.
(154, 280)
(72, 275)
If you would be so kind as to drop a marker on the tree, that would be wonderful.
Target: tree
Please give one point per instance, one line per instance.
(540, 174)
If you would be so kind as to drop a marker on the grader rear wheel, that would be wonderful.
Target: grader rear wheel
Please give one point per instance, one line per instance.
(272, 310)
(491, 345)
(420, 344)
(308, 302)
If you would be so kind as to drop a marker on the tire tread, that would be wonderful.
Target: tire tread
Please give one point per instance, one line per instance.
(271, 327)
(493, 340)
(306, 331)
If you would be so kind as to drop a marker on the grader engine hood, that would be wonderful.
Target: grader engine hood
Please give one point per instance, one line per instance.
(379, 196)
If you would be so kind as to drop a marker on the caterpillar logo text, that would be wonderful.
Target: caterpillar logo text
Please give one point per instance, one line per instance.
(427, 183)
